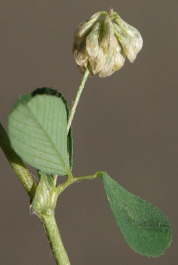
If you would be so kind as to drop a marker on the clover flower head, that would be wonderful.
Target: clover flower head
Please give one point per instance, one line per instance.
(103, 45)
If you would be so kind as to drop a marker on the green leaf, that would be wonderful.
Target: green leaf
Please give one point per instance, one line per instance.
(49, 91)
(54, 92)
(22, 100)
(38, 133)
(145, 228)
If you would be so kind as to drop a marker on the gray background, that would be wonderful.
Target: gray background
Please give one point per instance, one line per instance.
(126, 124)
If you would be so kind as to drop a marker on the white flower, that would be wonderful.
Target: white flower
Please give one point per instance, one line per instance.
(101, 46)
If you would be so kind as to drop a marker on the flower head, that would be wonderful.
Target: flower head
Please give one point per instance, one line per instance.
(102, 45)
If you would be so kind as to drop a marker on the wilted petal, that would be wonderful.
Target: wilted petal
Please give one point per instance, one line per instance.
(106, 70)
(119, 59)
(98, 64)
(84, 28)
(81, 56)
(114, 59)
(106, 45)
(92, 41)
(108, 34)
(129, 37)
(130, 30)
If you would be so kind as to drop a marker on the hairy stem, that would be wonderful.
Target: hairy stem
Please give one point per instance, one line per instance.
(18, 166)
(77, 97)
(54, 238)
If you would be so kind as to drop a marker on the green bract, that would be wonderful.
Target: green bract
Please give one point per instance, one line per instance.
(102, 45)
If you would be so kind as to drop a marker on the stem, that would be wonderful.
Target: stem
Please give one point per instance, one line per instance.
(66, 184)
(86, 177)
(18, 166)
(51, 228)
(72, 180)
(77, 97)
(54, 238)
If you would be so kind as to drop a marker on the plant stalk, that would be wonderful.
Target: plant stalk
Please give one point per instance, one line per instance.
(72, 180)
(54, 238)
(77, 97)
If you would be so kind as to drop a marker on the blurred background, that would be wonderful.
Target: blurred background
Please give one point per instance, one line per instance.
(125, 124)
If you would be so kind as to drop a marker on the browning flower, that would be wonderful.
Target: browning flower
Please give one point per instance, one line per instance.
(102, 45)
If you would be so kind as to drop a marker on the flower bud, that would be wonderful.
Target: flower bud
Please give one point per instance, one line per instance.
(102, 45)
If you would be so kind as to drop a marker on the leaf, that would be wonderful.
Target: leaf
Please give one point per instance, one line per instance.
(38, 133)
(145, 228)
(22, 100)
(52, 91)
(49, 91)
